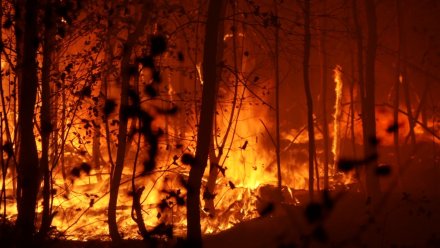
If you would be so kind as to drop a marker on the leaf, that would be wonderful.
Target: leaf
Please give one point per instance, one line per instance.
(157, 77)
(221, 169)
(8, 149)
(146, 62)
(150, 91)
(393, 128)
(383, 170)
(8, 23)
(346, 165)
(180, 57)
(163, 205)
(75, 172)
(86, 168)
(243, 147)
(175, 158)
(158, 44)
(208, 195)
(148, 166)
(374, 141)
(109, 107)
(188, 159)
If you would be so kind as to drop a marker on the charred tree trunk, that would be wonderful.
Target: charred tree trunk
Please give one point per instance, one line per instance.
(214, 159)
(277, 96)
(402, 72)
(368, 102)
(397, 86)
(360, 62)
(324, 66)
(308, 92)
(116, 175)
(212, 49)
(45, 118)
(28, 169)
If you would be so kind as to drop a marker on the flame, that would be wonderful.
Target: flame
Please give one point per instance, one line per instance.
(199, 72)
(337, 74)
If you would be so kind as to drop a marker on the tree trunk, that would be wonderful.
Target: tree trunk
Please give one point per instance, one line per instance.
(45, 118)
(397, 87)
(28, 171)
(324, 70)
(308, 92)
(277, 96)
(403, 78)
(122, 135)
(212, 48)
(360, 63)
(368, 102)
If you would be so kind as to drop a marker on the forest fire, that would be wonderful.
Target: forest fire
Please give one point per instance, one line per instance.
(219, 123)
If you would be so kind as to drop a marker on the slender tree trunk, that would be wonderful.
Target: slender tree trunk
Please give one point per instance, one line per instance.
(308, 92)
(402, 71)
(397, 87)
(352, 115)
(28, 171)
(360, 63)
(96, 153)
(212, 48)
(214, 159)
(277, 96)
(122, 135)
(368, 103)
(45, 118)
(324, 70)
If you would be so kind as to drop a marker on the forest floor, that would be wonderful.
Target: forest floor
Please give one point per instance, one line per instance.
(406, 215)
(401, 220)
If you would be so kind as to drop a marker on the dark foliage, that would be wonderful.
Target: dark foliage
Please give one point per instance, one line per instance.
(180, 57)
(346, 165)
(162, 230)
(393, 127)
(8, 148)
(208, 195)
(150, 91)
(383, 170)
(75, 172)
(146, 62)
(188, 159)
(243, 147)
(109, 107)
(7, 24)
(158, 44)
(86, 168)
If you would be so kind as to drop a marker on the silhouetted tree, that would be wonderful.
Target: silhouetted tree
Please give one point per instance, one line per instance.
(126, 73)
(27, 69)
(368, 101)
(212, 49)
(309, 98)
